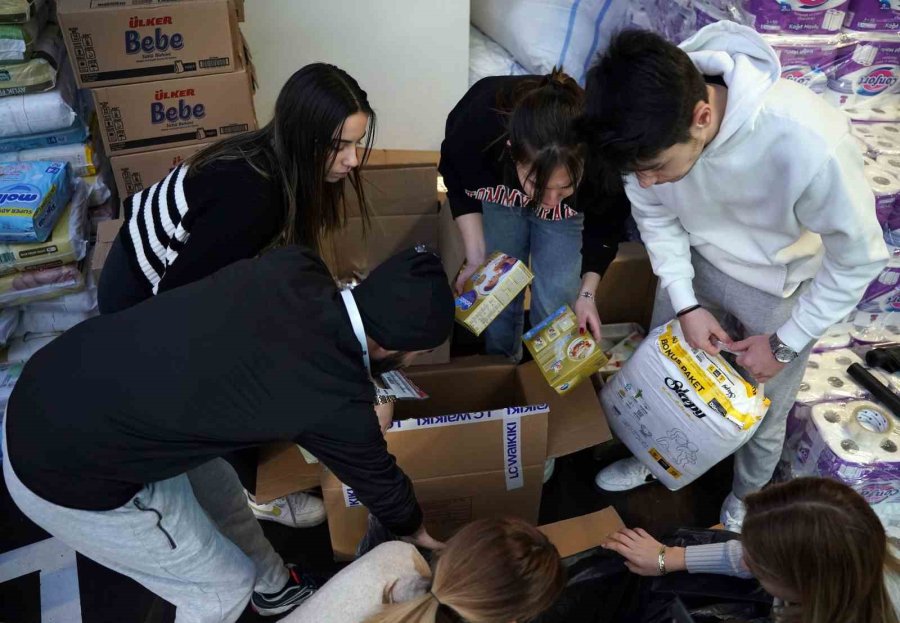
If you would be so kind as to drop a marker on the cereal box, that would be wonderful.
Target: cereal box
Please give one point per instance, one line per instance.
(489, 290)
(564, 356)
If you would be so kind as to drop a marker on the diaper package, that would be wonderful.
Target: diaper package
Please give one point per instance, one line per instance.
(679, 410)
(32, 197)
(81, 157)
(564, 356)
(17, 40)
(20, 11)
(73, 134)
(66, 244)
(37, 113)
(37, 74)
(489, 290)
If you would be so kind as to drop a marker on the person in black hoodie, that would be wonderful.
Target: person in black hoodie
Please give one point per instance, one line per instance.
(513, 163)
(264, 350)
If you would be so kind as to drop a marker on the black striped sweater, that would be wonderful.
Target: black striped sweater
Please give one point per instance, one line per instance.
(192, 223)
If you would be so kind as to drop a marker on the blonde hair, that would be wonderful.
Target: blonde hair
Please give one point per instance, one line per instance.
(492, 571)
(821, 540)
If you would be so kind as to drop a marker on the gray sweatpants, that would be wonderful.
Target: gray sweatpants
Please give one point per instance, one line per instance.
(744, 311)
(191, 539)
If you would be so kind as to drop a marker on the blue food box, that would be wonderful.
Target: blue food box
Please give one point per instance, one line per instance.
(33, 195)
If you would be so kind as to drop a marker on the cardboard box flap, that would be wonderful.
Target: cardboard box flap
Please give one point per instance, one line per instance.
(402, 157)
(466, 385)
(396, 191)
(71, 6)
(282, 469)
(576, 419)
(572, 536)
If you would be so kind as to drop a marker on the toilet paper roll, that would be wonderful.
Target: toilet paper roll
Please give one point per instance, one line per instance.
(826, 378)
(884, 145)
(888, 130)
(887, 189)
(837, 336)
(889, 163)
(859, 431)
(875, 328)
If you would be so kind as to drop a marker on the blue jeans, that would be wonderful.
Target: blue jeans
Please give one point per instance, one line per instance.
(555, 251)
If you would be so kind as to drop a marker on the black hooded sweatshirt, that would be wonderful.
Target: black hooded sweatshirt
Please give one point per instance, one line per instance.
(259, 352)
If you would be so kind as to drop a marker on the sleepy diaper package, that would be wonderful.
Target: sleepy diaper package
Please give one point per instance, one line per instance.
(679, 410)
(32, 197)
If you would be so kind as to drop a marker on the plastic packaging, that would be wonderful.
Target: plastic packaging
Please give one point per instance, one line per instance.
(488, 58)
(73, 134)
(37, 74)
(38, 113)
(36, 285)
(679, 410)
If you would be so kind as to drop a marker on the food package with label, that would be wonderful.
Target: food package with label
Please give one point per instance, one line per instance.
(41, 284)
(678, 409)
(490, 290)
(564, 356)
(32, 198)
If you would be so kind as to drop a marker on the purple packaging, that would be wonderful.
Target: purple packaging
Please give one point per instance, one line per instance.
(805, 60)
(808, 17)
(868, 78)
(873, 15)
(882, 293)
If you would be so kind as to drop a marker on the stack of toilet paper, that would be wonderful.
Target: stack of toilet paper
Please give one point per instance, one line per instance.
(866, 83)
(866, 16)
(837, 336)
(796, 16)
(855, 442)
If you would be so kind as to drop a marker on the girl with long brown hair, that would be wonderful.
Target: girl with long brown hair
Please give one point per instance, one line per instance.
(814, 544)
(491, 571)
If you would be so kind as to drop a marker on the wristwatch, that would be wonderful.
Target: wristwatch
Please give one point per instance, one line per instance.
(782, 352)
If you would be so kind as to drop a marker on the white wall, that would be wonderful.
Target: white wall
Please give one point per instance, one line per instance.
(410, 56)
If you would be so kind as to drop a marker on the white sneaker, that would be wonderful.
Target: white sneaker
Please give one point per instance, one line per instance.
(623, 475)
(297, 510)
(733, 513)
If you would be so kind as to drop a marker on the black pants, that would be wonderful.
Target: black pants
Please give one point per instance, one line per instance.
(120, 286)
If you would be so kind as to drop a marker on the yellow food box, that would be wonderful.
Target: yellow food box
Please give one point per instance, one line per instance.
(489, 290)
(564, 356)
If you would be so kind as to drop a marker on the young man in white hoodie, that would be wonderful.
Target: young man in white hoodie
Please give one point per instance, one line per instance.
(749, 194)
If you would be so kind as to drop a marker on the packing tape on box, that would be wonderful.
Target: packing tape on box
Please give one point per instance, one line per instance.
(512, 439)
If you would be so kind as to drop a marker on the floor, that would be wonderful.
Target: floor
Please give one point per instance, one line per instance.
(73, 589)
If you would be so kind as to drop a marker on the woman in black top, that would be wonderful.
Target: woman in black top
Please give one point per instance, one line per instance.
(281, 184)
(513, 165)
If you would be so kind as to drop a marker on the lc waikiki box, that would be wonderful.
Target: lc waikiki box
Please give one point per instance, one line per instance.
(126, 41)
(32, 197)
(184, 111)
(490, 290)
(475, 453)
(564, 357)
(135, 172)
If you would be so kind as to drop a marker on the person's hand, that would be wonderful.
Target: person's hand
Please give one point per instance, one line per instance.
(588, 317)
(641, 552)
(467, 269)
(756, 357)
(385, 415)
(700, 329)
(421, 538)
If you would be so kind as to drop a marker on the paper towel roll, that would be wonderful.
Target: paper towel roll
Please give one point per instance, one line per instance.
(858, 431)
(826, 378)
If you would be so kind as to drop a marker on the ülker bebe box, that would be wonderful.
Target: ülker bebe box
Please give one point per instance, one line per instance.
(144, 40)
(564, 356)
(489, 290)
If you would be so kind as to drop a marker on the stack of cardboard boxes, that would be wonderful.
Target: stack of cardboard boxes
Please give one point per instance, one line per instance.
(166, 78)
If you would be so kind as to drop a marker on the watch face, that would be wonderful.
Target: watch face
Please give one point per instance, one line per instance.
(784, 355)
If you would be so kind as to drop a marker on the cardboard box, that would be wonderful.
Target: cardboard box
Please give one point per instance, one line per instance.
(490, 290)
(106, 235)
(184, 111)
(135, 172)
(628, 288)
(486, 462)
(564, 357)
(239, 10)
(573, 536)
(132, 41)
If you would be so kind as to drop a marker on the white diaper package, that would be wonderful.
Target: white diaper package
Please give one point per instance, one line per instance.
(36, 113)
(679, 410)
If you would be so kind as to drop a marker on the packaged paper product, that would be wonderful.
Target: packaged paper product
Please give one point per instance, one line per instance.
(37, 74)
(21, 349)
(66, 244)
(488, 58)
(51, 321)
(826, 379)
(17, 40)
(9, 323)
(20, 11)
(489, 290)
(837, 336)
(32, 197)
(875, 327)
(82, 301)
(874, 16)
(37, 113)
(564, 357)
(73, 134)
(80, 156)
(797, 16)
(679, 410)
(36, 285)
(855, 443)
(543, 34)
(99, 187)
(806, 60)
(867, 78)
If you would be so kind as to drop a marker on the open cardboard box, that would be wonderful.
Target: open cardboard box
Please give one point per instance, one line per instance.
(485, 461)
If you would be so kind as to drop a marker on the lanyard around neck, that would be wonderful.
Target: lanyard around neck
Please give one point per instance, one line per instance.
(357, 323)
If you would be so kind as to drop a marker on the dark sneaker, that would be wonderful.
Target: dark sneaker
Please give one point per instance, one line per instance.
(299, 588)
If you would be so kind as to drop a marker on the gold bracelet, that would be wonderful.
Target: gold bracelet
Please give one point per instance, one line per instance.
(661, 560)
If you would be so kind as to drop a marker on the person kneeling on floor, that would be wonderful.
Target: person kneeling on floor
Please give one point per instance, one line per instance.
(115, 431)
